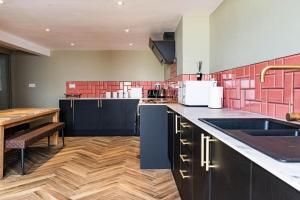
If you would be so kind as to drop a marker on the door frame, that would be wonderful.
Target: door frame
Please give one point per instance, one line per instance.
(9, 78)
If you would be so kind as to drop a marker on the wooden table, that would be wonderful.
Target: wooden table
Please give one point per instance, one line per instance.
(14, 117)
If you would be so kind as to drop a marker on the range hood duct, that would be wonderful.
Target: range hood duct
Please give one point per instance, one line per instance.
(164, 49)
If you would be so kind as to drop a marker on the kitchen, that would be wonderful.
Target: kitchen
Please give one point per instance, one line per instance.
(177, 100)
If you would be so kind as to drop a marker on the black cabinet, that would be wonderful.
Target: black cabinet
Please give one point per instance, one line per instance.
(67, 115)
(154, 137)
(230, 174)
(266, 186)
(171, 135)
(93, 117)
(201, 176)
(87, 116)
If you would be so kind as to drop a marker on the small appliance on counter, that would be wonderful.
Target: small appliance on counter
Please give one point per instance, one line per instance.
(136, 93)
(195, 93)
(160, 93)
(216, 97)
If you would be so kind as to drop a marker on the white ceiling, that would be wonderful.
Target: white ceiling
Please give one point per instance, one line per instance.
(96, 24)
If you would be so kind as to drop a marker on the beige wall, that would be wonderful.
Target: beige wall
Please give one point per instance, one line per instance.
(50, 73)
(249, 31)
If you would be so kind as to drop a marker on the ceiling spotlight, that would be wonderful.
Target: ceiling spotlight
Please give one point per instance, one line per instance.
(1, 2)
(131, 44)
(72, 44)
(127, 30)
(47, 29)
(120, 3)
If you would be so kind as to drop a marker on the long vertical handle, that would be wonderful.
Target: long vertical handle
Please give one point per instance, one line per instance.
(176, 124)
(98, 104)
(207, 153)
(71, 103)
(202, 149)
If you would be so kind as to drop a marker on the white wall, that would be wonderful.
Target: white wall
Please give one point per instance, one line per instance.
(250, 31)
(51, 73)
(192, 44)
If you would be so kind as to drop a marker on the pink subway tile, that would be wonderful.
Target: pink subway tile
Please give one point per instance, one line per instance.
(264, 108)
(257, 89)
(271, 109)
(245, 83)
(292, 60)
(260, 66)
(297, 79)
(279, 78)
(279, 61)
(249, 94)
(240, 72)
(288, 87)
(255, 106)
(236, 104)
(297, 100)
(264, 95)
(275, 95)
(269, 81)
(281, 110)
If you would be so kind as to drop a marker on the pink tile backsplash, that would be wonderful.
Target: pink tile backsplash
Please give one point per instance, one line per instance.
(270, 98)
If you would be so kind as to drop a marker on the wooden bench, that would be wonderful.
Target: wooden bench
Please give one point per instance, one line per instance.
(22, 139)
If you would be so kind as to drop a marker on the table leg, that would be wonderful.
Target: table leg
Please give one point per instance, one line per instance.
(2, 151)
(55, 136)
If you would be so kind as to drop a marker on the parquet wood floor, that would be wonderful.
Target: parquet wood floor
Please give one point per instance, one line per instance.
(102, 168)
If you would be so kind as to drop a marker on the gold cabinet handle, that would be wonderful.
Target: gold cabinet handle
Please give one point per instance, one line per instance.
(185, 142)
(182, 174)
(185, 125)
(202, 149)
(207, 161)
(184, 158)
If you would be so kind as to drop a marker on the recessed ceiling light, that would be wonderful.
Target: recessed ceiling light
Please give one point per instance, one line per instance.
(1, 2)
(131, 44)
(120, 3)
(72, 44)
(127, 30)
(47, 29)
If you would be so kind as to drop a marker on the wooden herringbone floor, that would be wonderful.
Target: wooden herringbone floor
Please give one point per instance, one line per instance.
(87, 168)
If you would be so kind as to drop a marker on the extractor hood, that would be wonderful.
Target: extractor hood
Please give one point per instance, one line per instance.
(164, 49)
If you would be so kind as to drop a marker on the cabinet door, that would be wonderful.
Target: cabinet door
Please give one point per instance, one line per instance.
(200, 175)
(86, 116)
(66, 115)
(131, 115)
(186, 160)
(176, 162)
(231, 176)
(265, 186)
(171, 135)
(113, 115)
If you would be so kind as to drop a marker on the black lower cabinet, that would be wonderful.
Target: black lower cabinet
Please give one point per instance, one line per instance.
(231, 173)
(265, 186)
(99, 117)
(87, 116)
(201, 177)
(171, 135)
(176, 151)
(66, 115)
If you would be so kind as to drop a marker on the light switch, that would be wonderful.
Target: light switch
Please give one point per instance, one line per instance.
(31, 85)
(72, 85)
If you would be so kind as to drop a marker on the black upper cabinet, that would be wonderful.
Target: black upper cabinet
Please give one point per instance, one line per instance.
(231, 176)
(87, 115)
(66, 115)
(265, 186)
(200, 175)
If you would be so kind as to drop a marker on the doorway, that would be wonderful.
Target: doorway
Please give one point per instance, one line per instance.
(4, 82)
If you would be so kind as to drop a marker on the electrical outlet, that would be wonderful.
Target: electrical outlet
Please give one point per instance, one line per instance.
(31, 85)
(72, 85)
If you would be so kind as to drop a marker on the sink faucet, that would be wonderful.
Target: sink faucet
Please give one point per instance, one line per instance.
(290, 116)
(264, 71)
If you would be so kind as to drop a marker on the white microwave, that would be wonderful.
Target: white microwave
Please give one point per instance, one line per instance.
(195, 93)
